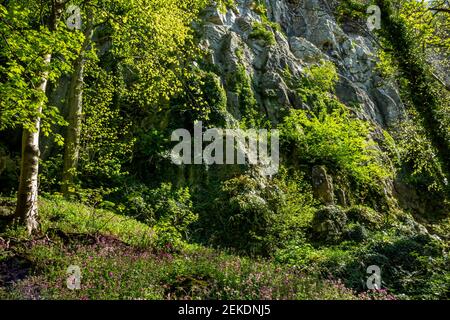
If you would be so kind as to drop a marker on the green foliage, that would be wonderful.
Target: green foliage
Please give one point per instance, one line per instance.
(145, 76)
(338, 141)
(328, 134)
(118, 261)
(405, 263)
(257, 216)
(204, 99)
(328, 224)
(112, 271)
(295, 209)
(215, 96)
(364, 215)
(245, 215)
(260, 8)
(424, 91)
(73, 218)
(224, 5)
(158, 66)
(166, 209)
(420, 158)
(50, 173)
(351, 10)
(24, 44)
(427, 26)
(262, 31)
(316, 86)
(387, 65)
(415, 43)
(106, 141)
(240, 83)
(9, 169)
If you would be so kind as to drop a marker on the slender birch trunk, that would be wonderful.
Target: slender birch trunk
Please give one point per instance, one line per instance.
(27, 206)
(27, 195)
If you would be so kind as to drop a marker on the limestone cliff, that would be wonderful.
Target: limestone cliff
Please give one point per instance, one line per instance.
(307, 33)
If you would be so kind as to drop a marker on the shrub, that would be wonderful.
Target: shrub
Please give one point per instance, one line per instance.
(420, 158)
(356, 232)
(262, 32)
(416, 266)
(295, 209)
(256, 215)
(338, 141)
(244, 214)
(329, 224)
(167, 210)
(204, 99)
(241, 84)
(364, 215)
(316, 86)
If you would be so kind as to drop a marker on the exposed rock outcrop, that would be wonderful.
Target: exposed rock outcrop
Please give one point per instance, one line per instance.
(322, 185)
(309, 33)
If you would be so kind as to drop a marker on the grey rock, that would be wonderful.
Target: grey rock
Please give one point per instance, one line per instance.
(309, 34)
(329, 224)
(305, 50)
(322, 185)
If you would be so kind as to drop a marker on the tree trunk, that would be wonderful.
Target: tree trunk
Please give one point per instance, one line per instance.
(75, 106)
(27, 195)
(27, 206)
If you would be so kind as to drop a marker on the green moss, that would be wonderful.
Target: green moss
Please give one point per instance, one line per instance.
(224, 5)
(316, 86)
(351, 10)
(262, 31)
(240, 83)
(239, 53)
(364, 215)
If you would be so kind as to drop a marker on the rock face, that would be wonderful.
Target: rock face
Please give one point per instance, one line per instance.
(309, 33)
(322, 185)
(305, 50)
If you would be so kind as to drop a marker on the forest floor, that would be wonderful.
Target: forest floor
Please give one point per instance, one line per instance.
(118, 261)
(118, 257)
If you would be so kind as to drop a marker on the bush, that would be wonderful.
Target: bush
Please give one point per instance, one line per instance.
(338, 141)
(295, 209)
(329, 224)
(243, 214)
(316, 86)
(262, 32)
(417, 266)
(328, 134)
(167, 210)
(256, 215)
(240, 83)
(364, 215)
(356, 232)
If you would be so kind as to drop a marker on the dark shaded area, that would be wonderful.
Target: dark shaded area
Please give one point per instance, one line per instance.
(14, 269)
